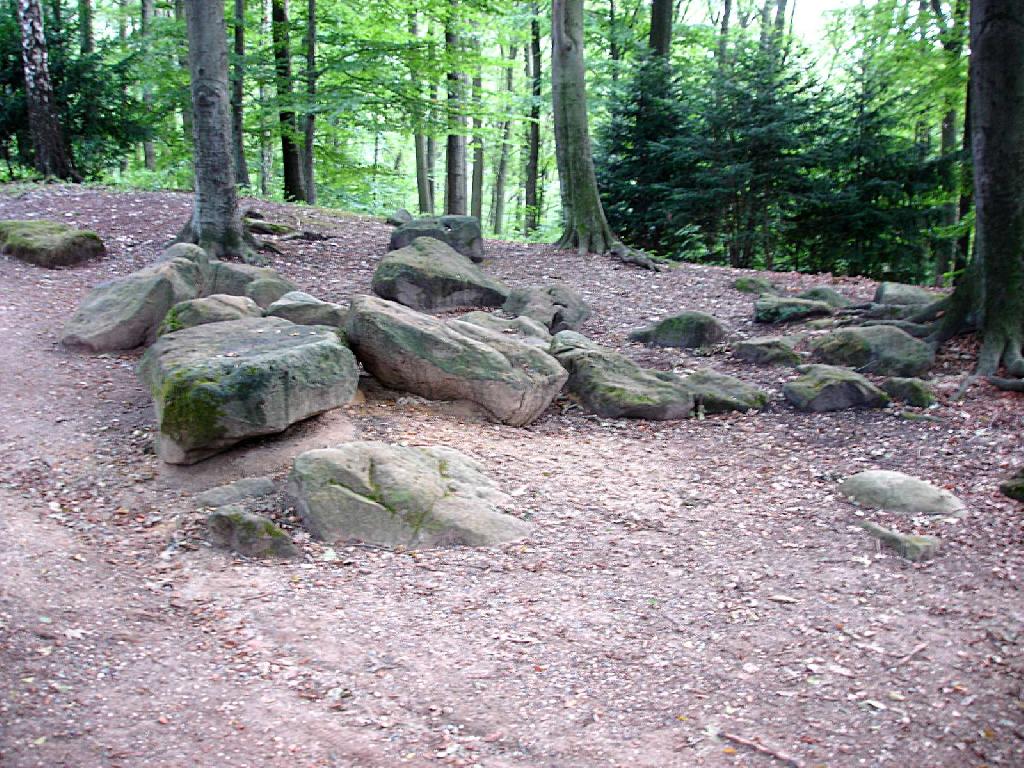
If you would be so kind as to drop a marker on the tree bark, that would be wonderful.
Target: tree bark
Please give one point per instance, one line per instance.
(501, 171)
(455, 185)
(532, 218)
(660, 40)
(146, 30)
(309, 124)
(86, 40)
(51, 155)
(186, 99)
(421, 146)
(294, 189)
(238, 97)
(477, 187)
(266, 147)
(216, 225)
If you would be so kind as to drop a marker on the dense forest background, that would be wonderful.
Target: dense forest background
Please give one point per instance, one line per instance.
(719, 135)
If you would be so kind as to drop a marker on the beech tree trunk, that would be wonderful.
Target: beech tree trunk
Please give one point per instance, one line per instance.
(309, 124)
(186, 99)
(86, 40)
(424, 190)
(294, 189)
(660, 40)
(455, 186)
(266, 147)
(238, 97)
(51, 155)
(216, 225)
(146, 29)
(585, 225)
(477, 204)
(533, 58)
(501, 171)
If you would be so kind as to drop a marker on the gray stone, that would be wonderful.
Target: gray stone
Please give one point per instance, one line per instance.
(302, 309)
(248, 534)
(780, 309)
(400, 217)
(556, 306)
(768, 350)
(522, 328)
(212, 309)
(827, 294)
(261, 284)
(913, 548)
(685, 330)
(1013, 487)
(428, 275)
(49, 244)
(750, 284)
(910, 391)
(452, 360)
(460, 232)
(216, 385)
(240, 490)
(829, 388)
(900, 293)
(395, 496)
(897, 492)
(879, 349)
(715, 392)
(613, 386)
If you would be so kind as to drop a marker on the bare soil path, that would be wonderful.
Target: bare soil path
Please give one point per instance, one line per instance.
(694, 595)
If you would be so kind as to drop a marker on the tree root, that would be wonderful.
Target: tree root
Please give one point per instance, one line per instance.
(632, 256)
(1007, 385)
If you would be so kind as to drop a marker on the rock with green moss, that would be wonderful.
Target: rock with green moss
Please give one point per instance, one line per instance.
(827, 294)
(302, 309)
(909, 546)
(1014, 486)
(49, 244)
(249, 534)
(393, 496)
(782, 309)
(264, 227)
(612, 385)
(768, 350)
(830, 388)
(555, 306)
(902, 294)
(452, 360)
(879, 349)
(429, 275)
(897, 492)
(261, 284)
(910, 391)
(216, 385)
(212, 309)
(715, 392)
(522, 328)
(752, 284)
(686, 330)
(460, 232)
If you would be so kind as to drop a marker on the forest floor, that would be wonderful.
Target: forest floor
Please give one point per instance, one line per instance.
(694, 594)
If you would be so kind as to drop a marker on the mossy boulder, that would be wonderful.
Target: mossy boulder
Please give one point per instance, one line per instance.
(261, 284)
(753, 284)
(249, 534)
(715, 392)
(897, 492)
(1014, 486)
(902, 294)
(212, 309)
(781, 309)
(556, 306)
(685, 330)
(49, 244)
(880, 349)
(768, 350)
(613, 386)
(910, 391)
(459, 232)
(452, 360)
(829, 388)
(909, 546)
(216, 385)
(522, 328)
(827, 294)
(264, 227)
(303, 309)
(393, 496)
(429, 275)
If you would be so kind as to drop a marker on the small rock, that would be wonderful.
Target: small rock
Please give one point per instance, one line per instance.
(779, 309)
(910, 391)
(827, 294)
(1014, 486)
(459, 232)
(880, 349)
(900, 293)
(400, 217)
(913, 548)
(718, 393)
(49, 244)
(212, 309)
(557, 306)
(248, 534)
(302, 309)
(685, 331)
(768, 350)
(897, 492)
(829, 388)
(232, 493)
(758, 285)
(523, 328)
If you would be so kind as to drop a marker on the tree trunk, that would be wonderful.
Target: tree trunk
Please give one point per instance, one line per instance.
(432, 168)
(660, 40)
(51, 155)
(532, 219)
(723, 35)
(586, 228)
(238, 97)
(501, 172)
(294, 189)
(86, 40)
(186, 99)
(997, 139)
(309, 125)
(216, 225)
(146, 30)
(477, 205)
(424, 190)
(266, 147)
(455, 185)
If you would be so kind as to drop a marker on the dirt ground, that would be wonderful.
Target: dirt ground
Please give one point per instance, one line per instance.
(695, 592)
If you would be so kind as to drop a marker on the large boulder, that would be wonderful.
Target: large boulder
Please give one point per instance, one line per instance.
(900, 293)
(452, 360)
(125, 313)
(49, 244)
(879, 349)
(216, 385)
(830, 388)
(897, 492)
(557, 306)
(302, 309)
(393, 496)
(768, 350)
(613, 386)
(213, 309)
(782, 309)
(827, 294)
(715, 392)
(428, 275)
(522, 328)
(261, 284)
(460, 232)
(685, 330)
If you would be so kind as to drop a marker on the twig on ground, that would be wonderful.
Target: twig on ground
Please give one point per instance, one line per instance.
(912, 654)
(764, 749)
